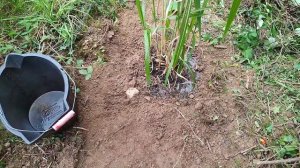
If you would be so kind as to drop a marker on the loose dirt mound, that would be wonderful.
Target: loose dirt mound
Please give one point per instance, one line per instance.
(201, 130)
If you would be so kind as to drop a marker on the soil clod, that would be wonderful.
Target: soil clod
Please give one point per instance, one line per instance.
(131, 92)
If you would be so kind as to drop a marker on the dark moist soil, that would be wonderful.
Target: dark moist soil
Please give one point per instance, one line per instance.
(156, 131)
(201, 129)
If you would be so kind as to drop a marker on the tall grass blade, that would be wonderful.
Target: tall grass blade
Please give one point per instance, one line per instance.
(147, 39)
(147, 44)
(179, 51)
(141, 12)
(154, 12)
(233, 11)
(198, 7)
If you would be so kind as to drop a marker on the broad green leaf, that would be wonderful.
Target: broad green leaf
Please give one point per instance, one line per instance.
(269, 128)
(288, 138)
(276, 109)
(69, 61)
(292, 149)
(248, 54)
(174, 6)
(79, 62)
(83, 72)
(207, 37)
(271, 40)
(260, 22)
(88, 76)
(90, 69)
(297, 66)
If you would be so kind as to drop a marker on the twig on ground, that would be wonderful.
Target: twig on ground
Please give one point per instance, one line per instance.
(112, 134)
(81, 128)
(50, 165)
(243, 152)
(208, 144)
(40, 149)
(3, 156)
(280, 125)
(282, 161)
(85, 101)
(220, 46)
(32, 154)
(180, 155)
(104, 34)
(271, 157)
(202, 143)
(269, 110)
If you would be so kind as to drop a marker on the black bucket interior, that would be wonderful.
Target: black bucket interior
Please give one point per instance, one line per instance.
(23, 83)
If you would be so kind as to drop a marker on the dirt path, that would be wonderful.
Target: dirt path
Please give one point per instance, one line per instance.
(148, 131)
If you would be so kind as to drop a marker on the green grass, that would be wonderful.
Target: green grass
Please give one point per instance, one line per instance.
(47, 26)
(173, 32)
(270, 46)
(50, 26)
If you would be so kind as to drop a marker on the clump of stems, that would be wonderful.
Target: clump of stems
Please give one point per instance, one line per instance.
(173, 32)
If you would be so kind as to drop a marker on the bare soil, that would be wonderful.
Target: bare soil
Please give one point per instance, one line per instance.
(200, 130)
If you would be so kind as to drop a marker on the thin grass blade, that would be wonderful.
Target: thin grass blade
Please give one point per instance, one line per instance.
(147, 44)
(147, 39)
(232, 14)
(198, 7)
(179, 51)
(141, 13)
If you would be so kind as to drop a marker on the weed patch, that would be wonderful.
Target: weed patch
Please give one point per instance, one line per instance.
(268, 42)
(49, 27)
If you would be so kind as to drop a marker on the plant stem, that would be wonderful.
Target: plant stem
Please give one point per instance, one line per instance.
(282, 161)
(154, 15)
(163, 30)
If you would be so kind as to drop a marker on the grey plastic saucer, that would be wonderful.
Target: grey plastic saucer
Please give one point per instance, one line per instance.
(46, 110)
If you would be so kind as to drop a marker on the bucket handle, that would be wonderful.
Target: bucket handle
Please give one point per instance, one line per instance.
(21, 130)
(75, 88)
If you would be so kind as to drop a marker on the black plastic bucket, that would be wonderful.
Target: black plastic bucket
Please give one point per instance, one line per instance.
(35, 96)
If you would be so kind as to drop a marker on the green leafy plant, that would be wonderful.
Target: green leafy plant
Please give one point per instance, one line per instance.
(171, 38)
(288, 146)
(85, 71)
(2, 164)
(270, 46)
